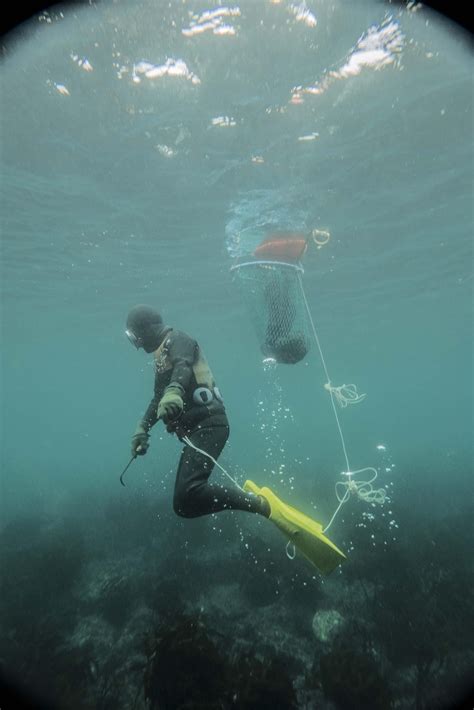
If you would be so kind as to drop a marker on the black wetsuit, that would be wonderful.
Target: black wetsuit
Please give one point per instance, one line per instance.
(179, 360)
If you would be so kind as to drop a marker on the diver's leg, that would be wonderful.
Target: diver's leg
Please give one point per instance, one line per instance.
(193, 495)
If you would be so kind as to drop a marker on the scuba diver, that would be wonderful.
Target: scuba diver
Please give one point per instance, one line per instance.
(190, 405)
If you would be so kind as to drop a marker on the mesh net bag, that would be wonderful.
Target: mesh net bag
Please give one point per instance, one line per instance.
(273, 296)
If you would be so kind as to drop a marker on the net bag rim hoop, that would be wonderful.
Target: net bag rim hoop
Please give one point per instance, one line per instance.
(266, 262)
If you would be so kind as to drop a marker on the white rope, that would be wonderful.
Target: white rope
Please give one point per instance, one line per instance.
(313, 327)
(362, 489)
(344, 395)
(188, 441)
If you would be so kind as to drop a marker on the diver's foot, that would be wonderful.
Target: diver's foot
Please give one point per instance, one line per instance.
(259, 502)
(264, 506)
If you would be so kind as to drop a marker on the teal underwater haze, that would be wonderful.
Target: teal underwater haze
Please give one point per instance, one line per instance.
(145, 148)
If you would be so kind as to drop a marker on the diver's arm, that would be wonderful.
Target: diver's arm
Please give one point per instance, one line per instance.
(150, 417)
(182, 355)
(141, 437)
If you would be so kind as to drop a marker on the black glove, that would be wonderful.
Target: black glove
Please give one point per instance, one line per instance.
(171, 405)
(140, 441)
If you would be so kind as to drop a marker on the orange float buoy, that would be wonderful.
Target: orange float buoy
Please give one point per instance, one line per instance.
(282, 247)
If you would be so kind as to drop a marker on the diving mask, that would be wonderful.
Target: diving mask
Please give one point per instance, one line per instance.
(135, 340)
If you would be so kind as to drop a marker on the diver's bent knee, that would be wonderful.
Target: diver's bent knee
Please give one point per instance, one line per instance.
(183, 509)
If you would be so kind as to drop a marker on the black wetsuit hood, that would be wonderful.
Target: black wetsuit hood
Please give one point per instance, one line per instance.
(147, 326)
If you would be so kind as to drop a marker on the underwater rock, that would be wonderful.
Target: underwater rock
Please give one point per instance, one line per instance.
(189, 667)
(354, 679)
(110, 590)
(224, 601)
(165, 596)
(327, 624)
(95, 633)
(40, 568)
(259, 587)
(262, 683)
(184, 666)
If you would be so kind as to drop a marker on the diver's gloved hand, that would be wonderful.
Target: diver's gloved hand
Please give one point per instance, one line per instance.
(140, 441)
(171, 404)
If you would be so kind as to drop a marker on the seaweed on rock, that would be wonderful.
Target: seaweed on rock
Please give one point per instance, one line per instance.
(187, 669)
(184, 667)
(353, 679)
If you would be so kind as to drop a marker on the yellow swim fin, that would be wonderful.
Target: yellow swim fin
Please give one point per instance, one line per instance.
(304, 532)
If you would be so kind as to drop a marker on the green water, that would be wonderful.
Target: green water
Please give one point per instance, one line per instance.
(143, 143)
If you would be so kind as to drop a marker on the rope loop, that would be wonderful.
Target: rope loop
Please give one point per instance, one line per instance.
(363, 490)
(345, 394)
